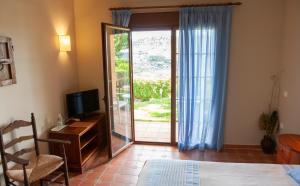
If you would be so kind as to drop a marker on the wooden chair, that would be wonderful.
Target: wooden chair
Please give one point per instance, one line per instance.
(38, 168)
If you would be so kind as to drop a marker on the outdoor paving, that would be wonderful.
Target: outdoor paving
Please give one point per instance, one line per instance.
(152, 131)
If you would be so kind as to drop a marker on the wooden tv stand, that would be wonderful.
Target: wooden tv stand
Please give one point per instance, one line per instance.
(87, 138)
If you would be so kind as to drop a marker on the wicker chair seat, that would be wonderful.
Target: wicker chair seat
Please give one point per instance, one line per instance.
(38, 168)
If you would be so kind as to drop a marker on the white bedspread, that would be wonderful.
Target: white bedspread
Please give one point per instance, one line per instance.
(183, 173)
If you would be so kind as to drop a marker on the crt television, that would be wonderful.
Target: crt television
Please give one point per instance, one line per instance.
(82, 104)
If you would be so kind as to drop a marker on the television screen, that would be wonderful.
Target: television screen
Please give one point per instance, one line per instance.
(82, 104)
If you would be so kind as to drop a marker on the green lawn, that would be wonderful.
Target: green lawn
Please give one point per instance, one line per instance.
(153, 110)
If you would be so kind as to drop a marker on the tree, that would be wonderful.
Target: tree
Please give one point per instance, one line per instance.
(121, 42)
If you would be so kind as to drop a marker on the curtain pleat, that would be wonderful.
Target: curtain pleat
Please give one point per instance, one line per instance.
(204, 35)
(121, 17)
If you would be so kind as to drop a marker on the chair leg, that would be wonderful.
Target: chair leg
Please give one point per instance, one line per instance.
(66, 174)
(26, 181)
(41, 183)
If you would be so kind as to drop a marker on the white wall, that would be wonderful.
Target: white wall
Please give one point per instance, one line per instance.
(44, 74)
(290, 68)
(255, 56)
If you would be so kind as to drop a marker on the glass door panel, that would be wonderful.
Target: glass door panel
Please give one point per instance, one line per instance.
(118, 86)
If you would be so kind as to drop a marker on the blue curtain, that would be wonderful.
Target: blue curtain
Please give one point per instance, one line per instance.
(204, 36)
(121, 17)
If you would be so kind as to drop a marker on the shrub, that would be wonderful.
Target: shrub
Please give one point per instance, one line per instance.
(122, 65)
(145, 90)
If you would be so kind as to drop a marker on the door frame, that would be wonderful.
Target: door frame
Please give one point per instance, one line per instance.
(108, 90)
(173, 85)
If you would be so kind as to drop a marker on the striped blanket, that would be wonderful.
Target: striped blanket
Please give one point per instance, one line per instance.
(196, 173)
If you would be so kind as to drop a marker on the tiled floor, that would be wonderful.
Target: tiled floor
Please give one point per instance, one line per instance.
(124, 169)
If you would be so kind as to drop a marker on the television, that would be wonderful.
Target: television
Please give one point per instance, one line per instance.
(83, 104)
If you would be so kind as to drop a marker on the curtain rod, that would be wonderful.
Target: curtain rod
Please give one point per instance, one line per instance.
(177, 6)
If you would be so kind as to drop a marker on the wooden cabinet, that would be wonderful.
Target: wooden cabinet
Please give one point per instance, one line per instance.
(87, 138)
(288, 149)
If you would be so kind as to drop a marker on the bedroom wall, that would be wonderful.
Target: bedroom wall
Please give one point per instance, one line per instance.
(44, 74)
(290, 69)
(255, 56)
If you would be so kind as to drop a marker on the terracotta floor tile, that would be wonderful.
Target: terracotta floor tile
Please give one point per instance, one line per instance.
(107, 177)
(103, 184)
(113, 168)
(75, 182)
(125, 179)
(99, 169)
(129, 171)
(131, 165)
(121, 184)
(93, 176)
(90, 182)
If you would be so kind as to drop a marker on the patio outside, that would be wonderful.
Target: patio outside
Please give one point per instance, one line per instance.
(152, 85)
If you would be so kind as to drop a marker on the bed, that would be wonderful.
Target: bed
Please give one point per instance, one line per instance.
(194, 173)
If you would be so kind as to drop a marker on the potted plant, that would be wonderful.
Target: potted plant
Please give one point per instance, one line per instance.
(270, 124)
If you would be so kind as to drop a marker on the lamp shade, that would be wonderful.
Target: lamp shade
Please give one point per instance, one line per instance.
(65, 43)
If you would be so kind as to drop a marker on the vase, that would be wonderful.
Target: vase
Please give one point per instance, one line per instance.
(268, 144)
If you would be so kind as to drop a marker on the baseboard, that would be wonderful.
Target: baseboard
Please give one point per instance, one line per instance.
(232, 146)
(226, 146)
(151, 143)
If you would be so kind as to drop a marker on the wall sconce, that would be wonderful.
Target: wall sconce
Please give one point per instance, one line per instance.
(65, 43)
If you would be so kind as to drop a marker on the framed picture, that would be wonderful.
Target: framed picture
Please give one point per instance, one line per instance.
(7, 66)
(3, 51)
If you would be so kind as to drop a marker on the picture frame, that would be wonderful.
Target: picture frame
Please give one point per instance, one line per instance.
(7, 66)
(3, 48)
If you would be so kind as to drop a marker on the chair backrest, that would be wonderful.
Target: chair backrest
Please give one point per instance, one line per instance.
(11, 127)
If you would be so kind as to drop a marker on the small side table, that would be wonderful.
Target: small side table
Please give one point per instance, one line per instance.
(87, 138)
